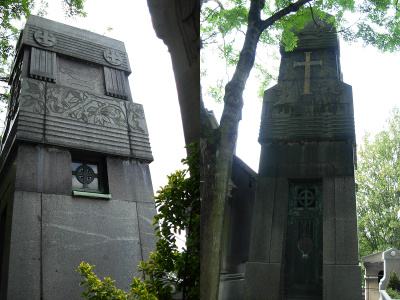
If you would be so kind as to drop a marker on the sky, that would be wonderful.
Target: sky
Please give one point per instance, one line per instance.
(152, 80)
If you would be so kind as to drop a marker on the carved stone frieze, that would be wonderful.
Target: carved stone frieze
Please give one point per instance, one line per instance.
(330, 99)
(81, 106)
(33, 96)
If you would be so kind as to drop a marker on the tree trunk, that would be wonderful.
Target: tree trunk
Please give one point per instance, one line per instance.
(177, 23)
(217, 146)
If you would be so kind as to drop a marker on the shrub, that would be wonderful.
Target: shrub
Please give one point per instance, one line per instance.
(392, 294)
(394, 282)
(99, 290)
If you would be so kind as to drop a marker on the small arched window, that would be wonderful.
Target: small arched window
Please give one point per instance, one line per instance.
(380, 276)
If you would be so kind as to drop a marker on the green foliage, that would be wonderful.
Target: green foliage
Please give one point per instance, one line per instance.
(178, 206)
(99, 290)
(392, 294)
(394, 283)
(216, 92)
(73, 8)
(378, 189)
(224, 24)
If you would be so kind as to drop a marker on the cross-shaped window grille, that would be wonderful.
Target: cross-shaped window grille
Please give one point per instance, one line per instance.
(87, 176)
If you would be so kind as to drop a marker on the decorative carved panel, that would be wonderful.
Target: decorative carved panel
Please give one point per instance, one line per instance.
(82, 106)
(80, 75)
(43, 65)
(116, 85)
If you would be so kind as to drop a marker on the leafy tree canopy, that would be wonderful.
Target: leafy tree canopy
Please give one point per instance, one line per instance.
(224, 24)
(378, 190)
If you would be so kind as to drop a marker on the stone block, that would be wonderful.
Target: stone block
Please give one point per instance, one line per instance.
(103, 233)
(262, 281)
(32, 108)
(129, 180)
(279, 221)
(80, 76)
(231, 287)
(24, 277)
(239, 214)
(43, 169)
(306, 160)
(341, 282)
(137, 131)
(148, 240)
(261, 233)
(85, 120)
(74, 42)
(346, 221)
(321, 117)
(328, 220)
(76, 118)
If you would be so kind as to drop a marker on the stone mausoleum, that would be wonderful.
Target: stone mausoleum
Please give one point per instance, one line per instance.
(302, 243)
(378, 268)
(75, 183)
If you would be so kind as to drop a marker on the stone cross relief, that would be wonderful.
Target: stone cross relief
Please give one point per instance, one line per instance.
(44, 38)
(307, 64)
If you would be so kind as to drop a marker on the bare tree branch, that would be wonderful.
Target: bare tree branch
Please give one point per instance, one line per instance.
(333, 27)
(217, 1)
(294, 7)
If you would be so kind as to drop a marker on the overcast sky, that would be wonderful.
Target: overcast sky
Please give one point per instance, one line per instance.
(152, 80)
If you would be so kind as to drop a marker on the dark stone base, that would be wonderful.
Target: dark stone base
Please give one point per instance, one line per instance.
(231, 287)
(342, 282)
(262, 281)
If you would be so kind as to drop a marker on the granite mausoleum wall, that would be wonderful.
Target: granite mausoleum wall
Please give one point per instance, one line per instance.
(75, 183)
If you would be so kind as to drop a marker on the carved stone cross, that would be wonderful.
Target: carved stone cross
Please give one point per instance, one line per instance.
(307, 64)
(45, 38)
(113, 57)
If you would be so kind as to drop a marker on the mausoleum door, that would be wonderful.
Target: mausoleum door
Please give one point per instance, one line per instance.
(303, 264)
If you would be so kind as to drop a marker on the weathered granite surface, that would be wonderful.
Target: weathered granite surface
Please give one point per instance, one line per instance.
(71, 101)
(70, 88)
(308, 139)
(74, 42)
